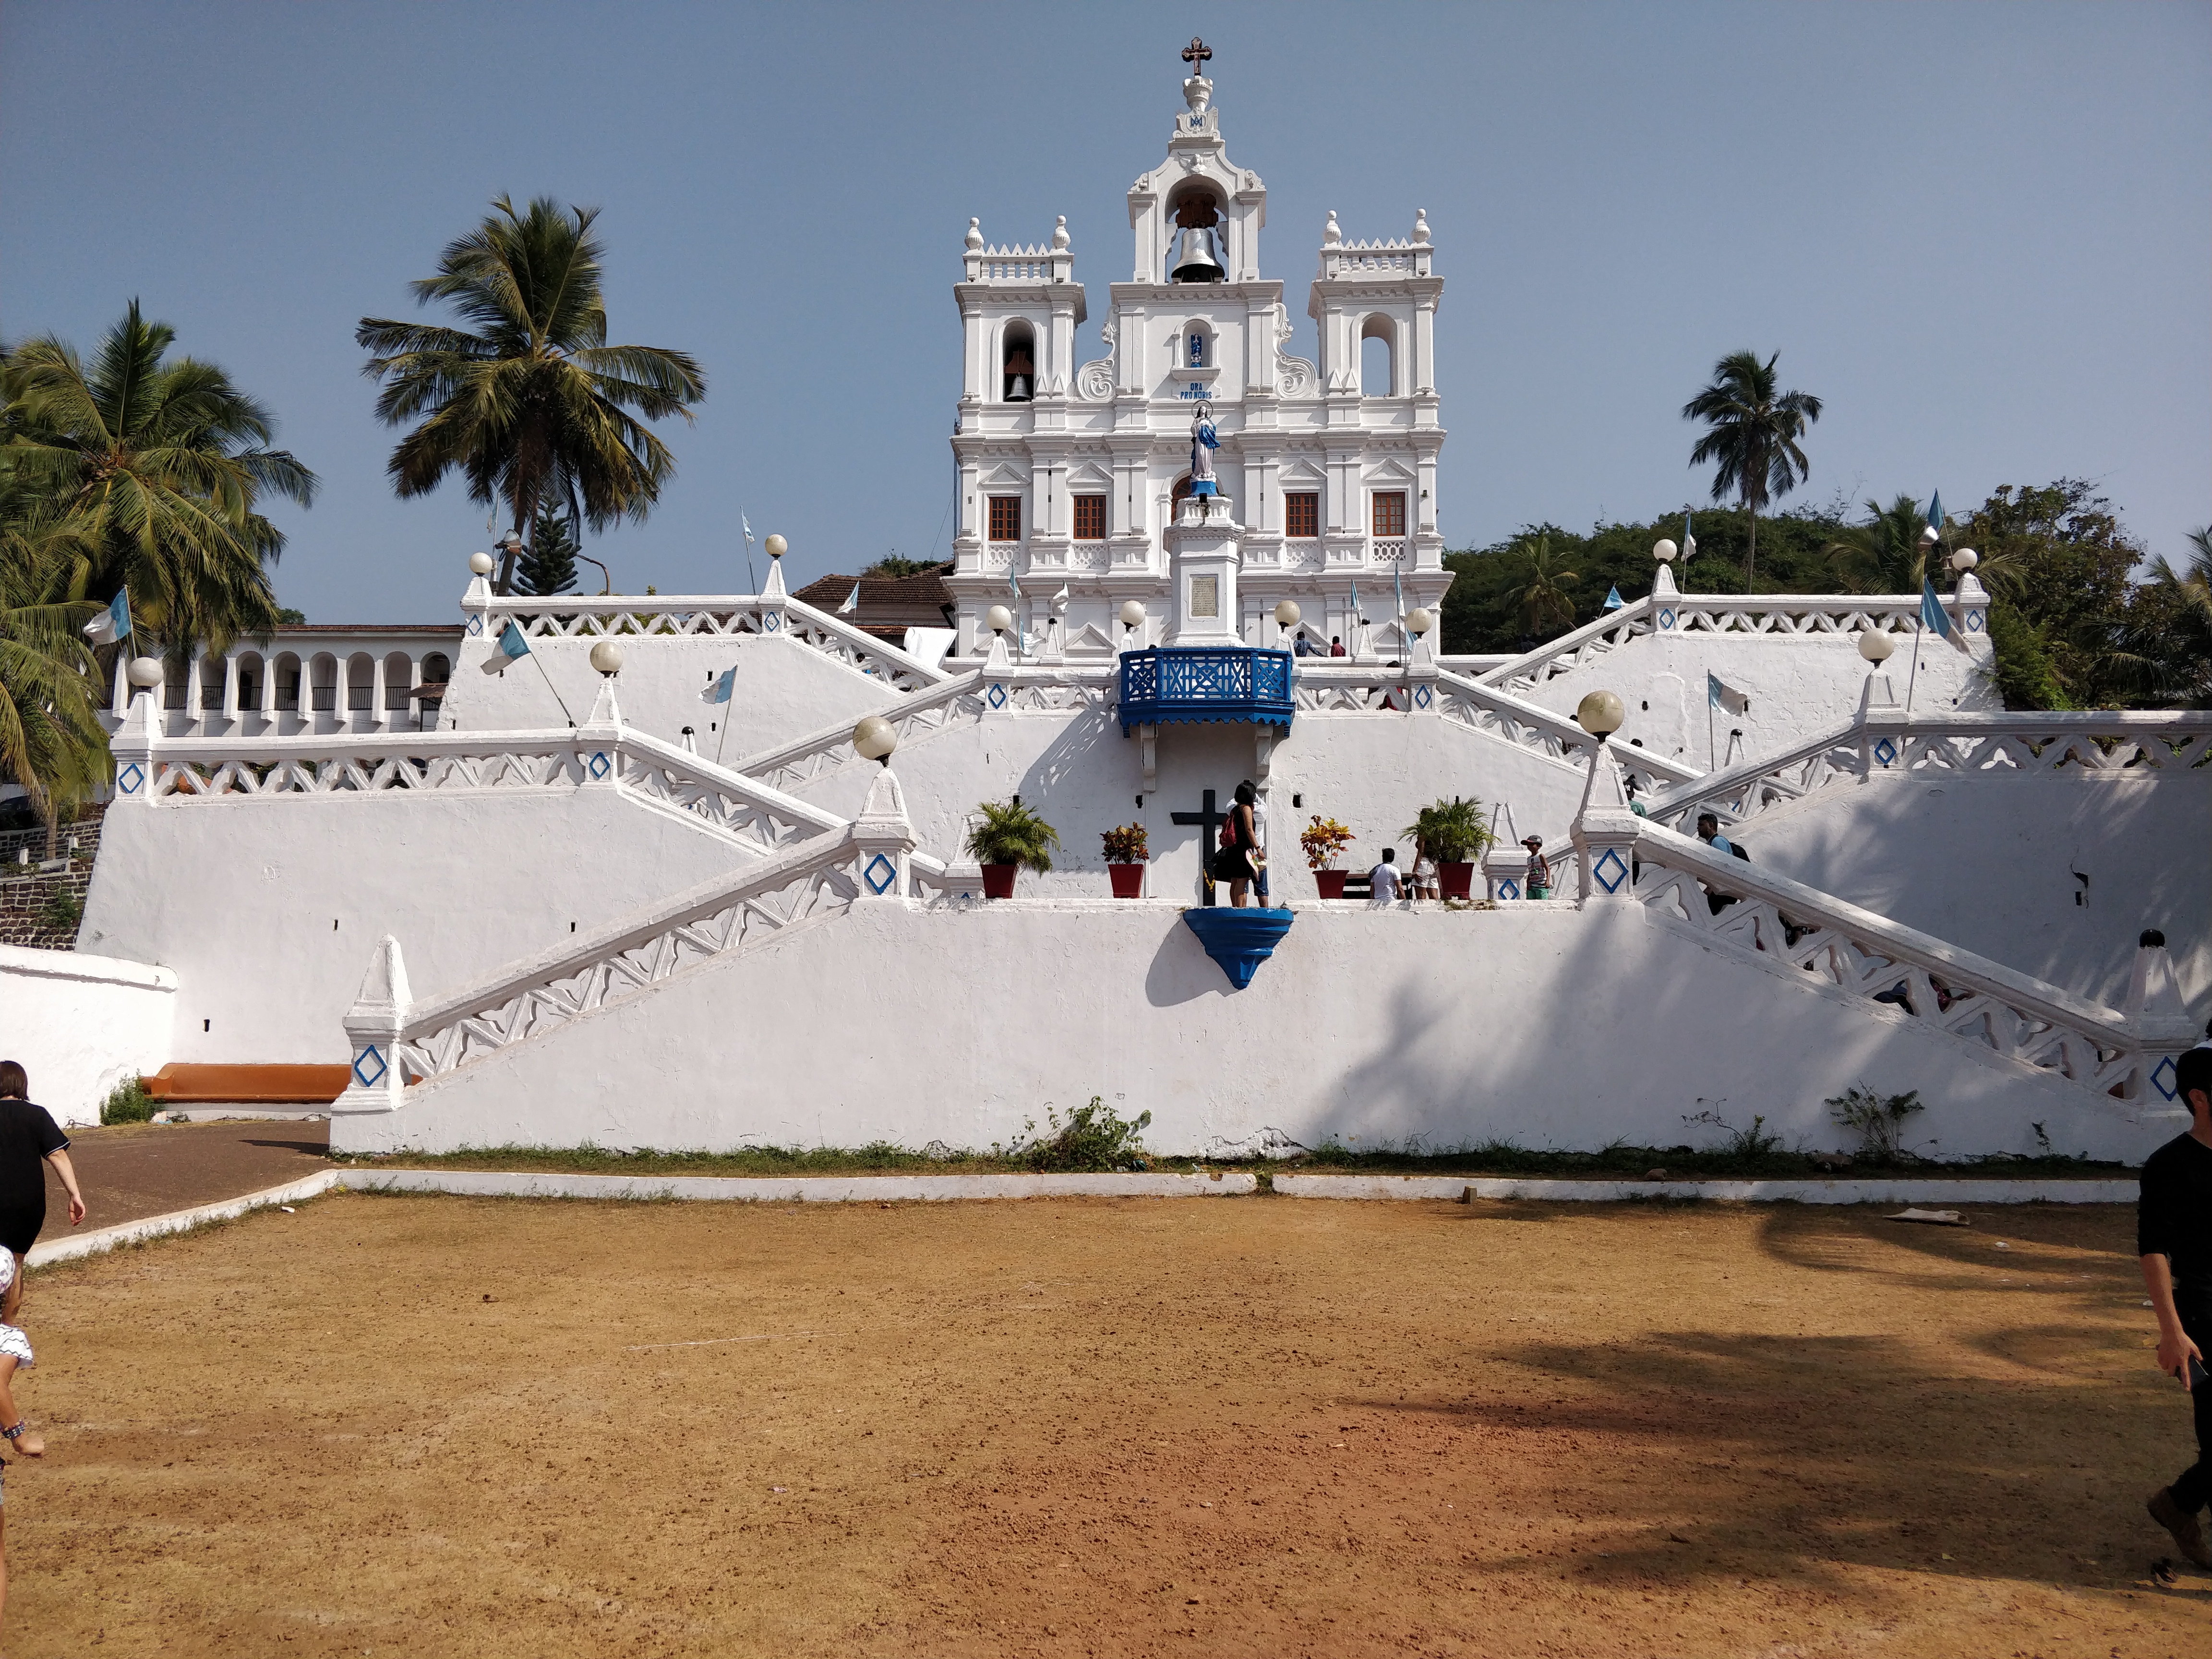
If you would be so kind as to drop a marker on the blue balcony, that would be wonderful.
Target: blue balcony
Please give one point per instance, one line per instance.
(1231, 683)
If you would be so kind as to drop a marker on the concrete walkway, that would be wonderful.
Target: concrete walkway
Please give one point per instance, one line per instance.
(137, 1170)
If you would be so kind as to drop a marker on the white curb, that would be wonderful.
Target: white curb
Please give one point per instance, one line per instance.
(1964, 1191)
(77, 1245)
(800, 1189)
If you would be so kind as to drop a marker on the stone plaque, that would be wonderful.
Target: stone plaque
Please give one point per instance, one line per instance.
(1205, 596)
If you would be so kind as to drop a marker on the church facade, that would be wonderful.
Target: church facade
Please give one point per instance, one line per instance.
(1071, 474)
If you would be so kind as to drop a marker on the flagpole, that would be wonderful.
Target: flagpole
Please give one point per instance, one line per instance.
(554, 688)
(1911, 679)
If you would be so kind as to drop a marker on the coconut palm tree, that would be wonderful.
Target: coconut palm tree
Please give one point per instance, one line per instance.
(146, 470)
(1884, 554)
(1543, 600)
(51, 739)
(1752, 434)
(528, 401)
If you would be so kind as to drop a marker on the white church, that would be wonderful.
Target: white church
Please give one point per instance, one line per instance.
(646, 885)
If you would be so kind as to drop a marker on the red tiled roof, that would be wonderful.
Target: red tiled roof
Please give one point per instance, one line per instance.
(889, 604)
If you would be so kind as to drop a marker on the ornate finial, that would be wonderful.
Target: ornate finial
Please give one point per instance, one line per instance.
(1059, 233)
(1196, 54)
(1331, 235)
(975, 234)
(1420, 227)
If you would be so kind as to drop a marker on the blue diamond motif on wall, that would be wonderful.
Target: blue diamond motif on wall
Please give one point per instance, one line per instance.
(1666, 619)
(1422, 696)
(130, 778)
(2162, 1077)
(1885, 752)
(880, 873)
(996, 696)
(600, 766)
(1611, 870)
(475, 624)
(368, 1067)
(772, 621)
(1509, 888)
(1974, 622)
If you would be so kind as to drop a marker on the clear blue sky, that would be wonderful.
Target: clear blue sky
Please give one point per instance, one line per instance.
(1982, 234)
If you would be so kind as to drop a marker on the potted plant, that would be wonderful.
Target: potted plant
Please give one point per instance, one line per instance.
(1009, 837)
(1453, 833)
(1324, 841)
(1125, 853)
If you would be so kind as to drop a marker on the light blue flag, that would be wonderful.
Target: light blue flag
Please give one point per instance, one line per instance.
(1723, 697)
(1935, 511)
(511, 649)
(719, 689)
(1933, 617)
(1613, 599)
(852, 601)
(113, 624)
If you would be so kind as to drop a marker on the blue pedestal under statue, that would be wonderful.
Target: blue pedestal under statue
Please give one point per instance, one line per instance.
(1240, 940)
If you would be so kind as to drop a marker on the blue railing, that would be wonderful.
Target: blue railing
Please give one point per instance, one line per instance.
(1205, 683)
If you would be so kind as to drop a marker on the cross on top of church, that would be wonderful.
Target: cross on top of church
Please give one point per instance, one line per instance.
(1196, 54)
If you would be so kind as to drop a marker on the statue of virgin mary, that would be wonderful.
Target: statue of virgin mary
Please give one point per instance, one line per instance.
(1203, 443)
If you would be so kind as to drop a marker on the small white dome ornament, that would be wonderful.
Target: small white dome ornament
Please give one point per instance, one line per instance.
(607, 657)
(145, 673)
(1420, 227)
(1965, 559)
(1332, 235)
(1663, 550)
(974, 238)
(874, 739)
(480, 563)
(776, 546)
(1059, 235)
(998, 619)
(1875, 646)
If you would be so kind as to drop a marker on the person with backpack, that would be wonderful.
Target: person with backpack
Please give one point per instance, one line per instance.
(1239, 857)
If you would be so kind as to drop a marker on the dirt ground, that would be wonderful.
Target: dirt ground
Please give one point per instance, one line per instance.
(1230, 1427)
(127, 1171)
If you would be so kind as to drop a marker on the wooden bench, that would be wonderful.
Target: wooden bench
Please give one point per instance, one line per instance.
(182, 1084)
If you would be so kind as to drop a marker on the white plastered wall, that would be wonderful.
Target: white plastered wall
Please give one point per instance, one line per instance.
(79, 1024)
(784, 689)
(266, 908)
(1538, 1022)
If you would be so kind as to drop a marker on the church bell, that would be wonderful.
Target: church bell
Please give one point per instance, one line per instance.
(1194, 260)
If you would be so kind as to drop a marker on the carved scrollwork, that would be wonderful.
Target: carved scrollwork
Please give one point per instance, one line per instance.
(1094, 380)
(1294, 377)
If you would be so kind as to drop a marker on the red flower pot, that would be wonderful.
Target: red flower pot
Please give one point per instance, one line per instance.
(1128, 879)
(1455, 880)
(1331, 883)
(998, 880)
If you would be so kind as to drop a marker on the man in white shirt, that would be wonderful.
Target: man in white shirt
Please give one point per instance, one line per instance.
(1383, 881)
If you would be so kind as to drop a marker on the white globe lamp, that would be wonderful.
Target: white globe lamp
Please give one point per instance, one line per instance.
(607, 657)
(480, 563)
(1875, 646)
(1663, 549)
(874, 739)
(145, 673)
(776, 546)
(1965, 559)
(1600, 713)
(1421, 620)
(998, 619)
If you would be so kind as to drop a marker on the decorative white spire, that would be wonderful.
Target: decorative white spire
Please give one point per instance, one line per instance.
(1331, 234)
(1420, 227)
(975, 235)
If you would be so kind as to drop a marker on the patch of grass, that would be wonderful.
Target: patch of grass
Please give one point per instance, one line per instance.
(880, 1158)
(127, 1103)
(1095, 1139)
(1737, 1159)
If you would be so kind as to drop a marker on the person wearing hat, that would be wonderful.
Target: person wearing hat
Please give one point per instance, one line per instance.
(1536, 881)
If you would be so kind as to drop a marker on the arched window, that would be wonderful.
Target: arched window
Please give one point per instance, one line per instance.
(211, 672)
(249, 684)
(286, 668)
(1018, 364)
(1378, 358)
(323, 694)
(399, 681)
(436, 672)
(361, 683)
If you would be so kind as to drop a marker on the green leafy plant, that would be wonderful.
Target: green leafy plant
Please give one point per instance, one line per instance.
(1012, 834)
(126, 1103)
(1877, 1120)
(1126, 844)
(1753, 1142)
(1451, 831)
(62, 911)
(1095, 1137)
(1324, 841)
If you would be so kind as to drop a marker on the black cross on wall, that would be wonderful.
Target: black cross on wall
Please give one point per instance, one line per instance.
(1211, 819)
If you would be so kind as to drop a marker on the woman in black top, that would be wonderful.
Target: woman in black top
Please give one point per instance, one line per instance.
(2173, 1238)
(1240, 841)
(29, 1137)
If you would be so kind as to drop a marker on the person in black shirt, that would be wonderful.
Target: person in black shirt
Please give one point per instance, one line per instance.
(29, 1137)
(2173, 1236)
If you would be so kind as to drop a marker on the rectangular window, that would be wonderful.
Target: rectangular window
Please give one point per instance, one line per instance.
(1090, 518)
(1005, 517)
(1302, 514)
(1389, 513)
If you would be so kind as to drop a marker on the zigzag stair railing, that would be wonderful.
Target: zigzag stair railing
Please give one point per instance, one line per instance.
(1994, 1009)
(2156, 740)
(757, 817)
(570, 618)
(805, 885)
(1608, 632)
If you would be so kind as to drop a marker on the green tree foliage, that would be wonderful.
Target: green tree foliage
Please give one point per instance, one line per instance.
(2177, 605)
(1884, 554)
(891, 565)
(2020, 664)
(528, 402)
(145, 470)
(1752, 433)
(549, 564)
(1544, 600)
